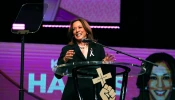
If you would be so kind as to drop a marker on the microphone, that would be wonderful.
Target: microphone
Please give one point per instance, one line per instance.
(86, 40)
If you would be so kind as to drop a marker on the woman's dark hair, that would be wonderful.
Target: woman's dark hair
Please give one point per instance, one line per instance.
(86, 26)
(143, 79)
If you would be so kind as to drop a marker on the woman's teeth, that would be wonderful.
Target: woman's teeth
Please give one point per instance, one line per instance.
(78, 34)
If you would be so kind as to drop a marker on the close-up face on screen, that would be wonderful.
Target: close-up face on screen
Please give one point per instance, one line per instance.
(160, 83)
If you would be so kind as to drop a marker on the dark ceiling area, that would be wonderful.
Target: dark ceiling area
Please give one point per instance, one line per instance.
(144, 24)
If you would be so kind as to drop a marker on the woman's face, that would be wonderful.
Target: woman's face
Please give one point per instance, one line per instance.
(160, 83)
(79, 31)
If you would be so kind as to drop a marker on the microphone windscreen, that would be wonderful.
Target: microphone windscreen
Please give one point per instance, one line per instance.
(86, 40)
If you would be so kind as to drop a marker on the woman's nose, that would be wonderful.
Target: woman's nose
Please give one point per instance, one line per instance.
(160, 83)
(77, 29)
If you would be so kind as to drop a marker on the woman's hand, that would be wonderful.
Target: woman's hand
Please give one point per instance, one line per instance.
(69, 55)
(109, 58)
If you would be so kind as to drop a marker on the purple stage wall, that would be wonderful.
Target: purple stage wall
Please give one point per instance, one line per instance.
(96, 11)
(39, 80)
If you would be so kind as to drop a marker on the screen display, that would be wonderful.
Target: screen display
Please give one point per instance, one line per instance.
(94, 11)
(39, 79)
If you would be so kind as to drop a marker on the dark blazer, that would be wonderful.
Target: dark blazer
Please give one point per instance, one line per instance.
(85, 84)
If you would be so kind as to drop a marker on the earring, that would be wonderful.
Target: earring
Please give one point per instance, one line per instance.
(173, 88)
(87, 33)
(146, 88)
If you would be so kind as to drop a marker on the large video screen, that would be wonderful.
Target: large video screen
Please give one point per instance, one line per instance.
(94, 11)
(39, 80)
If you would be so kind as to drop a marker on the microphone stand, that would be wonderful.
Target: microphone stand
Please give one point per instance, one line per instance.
(117, 51)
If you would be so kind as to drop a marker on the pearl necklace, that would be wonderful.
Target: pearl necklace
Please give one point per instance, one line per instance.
(83, 47)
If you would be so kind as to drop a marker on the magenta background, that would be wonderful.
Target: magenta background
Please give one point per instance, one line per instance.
(38, 61)
(100, 11)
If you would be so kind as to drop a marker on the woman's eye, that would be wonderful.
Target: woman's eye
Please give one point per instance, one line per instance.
(153, 77)
(166, 77)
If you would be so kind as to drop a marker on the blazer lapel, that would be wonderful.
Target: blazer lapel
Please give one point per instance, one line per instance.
(78, 52)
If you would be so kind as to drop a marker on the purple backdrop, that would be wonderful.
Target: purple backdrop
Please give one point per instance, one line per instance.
(39, 79)
(100, 11)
